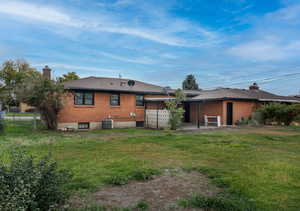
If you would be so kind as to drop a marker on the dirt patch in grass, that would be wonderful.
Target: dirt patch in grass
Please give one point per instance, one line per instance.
(161, 193)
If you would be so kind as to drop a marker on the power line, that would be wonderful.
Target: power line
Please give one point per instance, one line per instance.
(262, 80)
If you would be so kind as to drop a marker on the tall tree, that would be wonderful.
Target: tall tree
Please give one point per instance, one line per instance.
(12, 74)
(44, 94)
(68, 77)
(190, 83)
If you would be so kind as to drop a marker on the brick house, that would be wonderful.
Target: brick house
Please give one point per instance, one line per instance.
(93, 99)
(130, 103)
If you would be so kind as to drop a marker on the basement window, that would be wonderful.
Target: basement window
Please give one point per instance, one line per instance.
(84, 98)
(139, 123)
(83, 125)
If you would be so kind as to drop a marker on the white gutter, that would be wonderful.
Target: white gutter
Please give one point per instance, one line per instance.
(279, 100)
(159, 99)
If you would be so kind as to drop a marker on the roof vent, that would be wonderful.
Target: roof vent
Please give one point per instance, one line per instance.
(122, 83)
(254, 86)
(131, 83)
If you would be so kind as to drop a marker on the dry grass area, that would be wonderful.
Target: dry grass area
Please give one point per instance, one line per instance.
(162, 192)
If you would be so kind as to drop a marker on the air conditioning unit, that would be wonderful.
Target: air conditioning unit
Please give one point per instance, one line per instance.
(107, 124)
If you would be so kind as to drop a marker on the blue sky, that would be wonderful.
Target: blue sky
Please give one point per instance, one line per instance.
(224, 43)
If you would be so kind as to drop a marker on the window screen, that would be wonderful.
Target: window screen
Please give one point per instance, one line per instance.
(115, 100)
(139, 100)
(84, 98)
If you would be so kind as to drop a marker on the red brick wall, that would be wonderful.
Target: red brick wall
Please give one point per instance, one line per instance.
(101, 109)
(241, 109)
(213, 108)
(219, 108)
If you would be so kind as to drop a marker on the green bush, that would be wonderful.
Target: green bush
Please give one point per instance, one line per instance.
(297, 118)
(279, 113)
(248, 122)
(176, 112)
(29, 185)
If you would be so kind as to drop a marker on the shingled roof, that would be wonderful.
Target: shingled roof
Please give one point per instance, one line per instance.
(121, 85)
(113, 84)
(242, 94)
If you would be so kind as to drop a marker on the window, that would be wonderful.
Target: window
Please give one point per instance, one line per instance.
(115, 100)
(139, 100)
(83, 125)
(84, 98)
(139, 123)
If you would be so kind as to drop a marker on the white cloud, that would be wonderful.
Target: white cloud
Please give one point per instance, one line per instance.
(118, 3)
(123, 2)
(169, 56)
(77, 67)
(35, 12)
(273, 37)
(265, 50)
(141, 60)
(288, 14)
(164, 34)
(258, 51)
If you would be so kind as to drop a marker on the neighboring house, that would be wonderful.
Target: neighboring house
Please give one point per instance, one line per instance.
(134, 104)
(26, 108)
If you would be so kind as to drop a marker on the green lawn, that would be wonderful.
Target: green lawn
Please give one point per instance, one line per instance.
(262, 165)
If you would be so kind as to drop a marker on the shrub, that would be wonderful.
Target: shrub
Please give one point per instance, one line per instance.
(279, 113)
(249, 121)
(176, 112)
(297, 118)
(29, 185)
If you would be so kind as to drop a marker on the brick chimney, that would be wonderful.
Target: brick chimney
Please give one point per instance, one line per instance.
(47, 72)
(254, 86)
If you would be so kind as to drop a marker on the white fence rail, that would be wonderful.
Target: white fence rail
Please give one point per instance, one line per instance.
(215, 120)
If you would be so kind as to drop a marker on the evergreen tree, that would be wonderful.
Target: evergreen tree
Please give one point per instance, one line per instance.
(190, 83)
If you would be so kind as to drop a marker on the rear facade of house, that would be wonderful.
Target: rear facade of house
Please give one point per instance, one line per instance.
(91, 100)
(127, 103)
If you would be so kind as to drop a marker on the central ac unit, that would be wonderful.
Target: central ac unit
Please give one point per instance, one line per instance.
(107, 124)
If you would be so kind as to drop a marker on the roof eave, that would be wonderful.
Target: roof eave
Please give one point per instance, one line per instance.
(113, 90)
(279, 100)
(220, 99)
